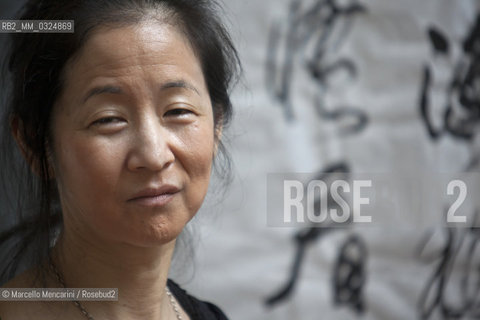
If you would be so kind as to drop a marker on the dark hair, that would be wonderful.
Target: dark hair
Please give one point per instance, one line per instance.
(34, 79)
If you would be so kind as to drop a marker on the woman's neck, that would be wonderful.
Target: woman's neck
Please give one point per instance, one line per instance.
(139, 273)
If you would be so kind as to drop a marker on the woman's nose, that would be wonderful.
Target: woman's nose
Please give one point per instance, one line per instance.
(150, 147)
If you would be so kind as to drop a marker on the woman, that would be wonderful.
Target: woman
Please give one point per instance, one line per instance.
(119, 122)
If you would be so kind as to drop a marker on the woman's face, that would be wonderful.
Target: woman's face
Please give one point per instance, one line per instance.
(133, 136)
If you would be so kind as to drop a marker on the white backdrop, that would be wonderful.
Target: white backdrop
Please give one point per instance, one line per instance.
(240, 259)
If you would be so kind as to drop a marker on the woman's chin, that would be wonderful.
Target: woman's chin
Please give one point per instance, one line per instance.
(154, 236)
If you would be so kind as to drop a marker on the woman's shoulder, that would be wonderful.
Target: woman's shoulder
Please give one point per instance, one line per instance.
(195, 308)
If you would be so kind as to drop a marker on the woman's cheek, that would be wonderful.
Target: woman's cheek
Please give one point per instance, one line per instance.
(198, 142)
(91, 166)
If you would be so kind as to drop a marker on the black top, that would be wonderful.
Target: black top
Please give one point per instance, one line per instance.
(196, 309)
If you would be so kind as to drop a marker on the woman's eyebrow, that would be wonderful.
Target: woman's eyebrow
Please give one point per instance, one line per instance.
(179, 84)
(117, 90)
(100, 90)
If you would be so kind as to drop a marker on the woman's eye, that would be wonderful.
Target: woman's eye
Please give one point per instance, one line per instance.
(178, 112)
(108, 120)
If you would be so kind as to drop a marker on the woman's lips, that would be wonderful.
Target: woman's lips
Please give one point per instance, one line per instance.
(154, 197)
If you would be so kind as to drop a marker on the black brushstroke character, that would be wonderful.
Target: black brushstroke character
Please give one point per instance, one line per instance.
(349, 272)
(313, 33)
(460, 115)
(308, 236)
(461, 244)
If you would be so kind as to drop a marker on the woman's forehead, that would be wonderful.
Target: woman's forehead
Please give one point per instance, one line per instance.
(147, 42)
(148, 52)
